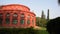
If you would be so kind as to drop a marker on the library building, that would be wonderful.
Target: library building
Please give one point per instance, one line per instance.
(16, 16)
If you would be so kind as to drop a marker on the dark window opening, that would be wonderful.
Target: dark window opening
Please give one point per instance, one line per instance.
(15, 21)
(22, 21)
(28, 21)
(7, 20)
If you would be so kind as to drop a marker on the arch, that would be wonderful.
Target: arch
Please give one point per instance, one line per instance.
(15, 18)
(15, 15)
(22, 15)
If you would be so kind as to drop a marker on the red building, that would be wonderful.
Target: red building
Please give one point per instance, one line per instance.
(15, 15)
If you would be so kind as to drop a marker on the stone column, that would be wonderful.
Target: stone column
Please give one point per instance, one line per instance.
(25, 20)
(11, 15)
(34, 21)
(31, 21)
(18, 20)
(3, 23)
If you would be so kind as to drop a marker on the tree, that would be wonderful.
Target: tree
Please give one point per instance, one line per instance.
(40, 22)
(43, 15)
(48, 15)
(43, 20)
(37, 21)
(59, 2)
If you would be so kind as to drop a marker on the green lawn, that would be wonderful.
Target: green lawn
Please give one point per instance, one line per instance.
(42, 30)
(22, 31)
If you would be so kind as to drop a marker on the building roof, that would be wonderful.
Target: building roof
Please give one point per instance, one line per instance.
(14, 7)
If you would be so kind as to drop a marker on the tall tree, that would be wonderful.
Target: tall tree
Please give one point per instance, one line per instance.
(59, 2)
(48, 15)
(42, 15)
(43, 20)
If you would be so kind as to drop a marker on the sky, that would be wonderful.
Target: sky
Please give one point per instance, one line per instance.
(37, 6)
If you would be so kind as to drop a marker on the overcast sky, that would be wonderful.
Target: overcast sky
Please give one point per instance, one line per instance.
(37, 6)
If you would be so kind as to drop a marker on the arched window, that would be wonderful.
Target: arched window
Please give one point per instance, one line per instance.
(28, 21)
(28, 16)
(15, 15)
(14, 21)
(7, 20)
(22, 21)
(22, 15)
(1, 19)
(7, 15)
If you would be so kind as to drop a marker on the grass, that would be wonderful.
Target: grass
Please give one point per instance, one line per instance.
(23, 31)
(42, 30)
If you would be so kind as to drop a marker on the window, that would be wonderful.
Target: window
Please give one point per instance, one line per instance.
(22, 21)
(28, 21)
(1, 14)
(15, 21)
(7, 20)
(22, 15)
(7, 14)
(15, 15)
(28, 16)
(1, 20)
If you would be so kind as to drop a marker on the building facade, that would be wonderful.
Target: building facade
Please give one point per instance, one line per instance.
(16, 15)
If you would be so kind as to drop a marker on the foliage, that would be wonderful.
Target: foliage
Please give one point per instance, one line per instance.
(37, 20)
(43, 21)
(40, 21)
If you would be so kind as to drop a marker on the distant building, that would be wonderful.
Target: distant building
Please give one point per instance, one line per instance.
(15, 15)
